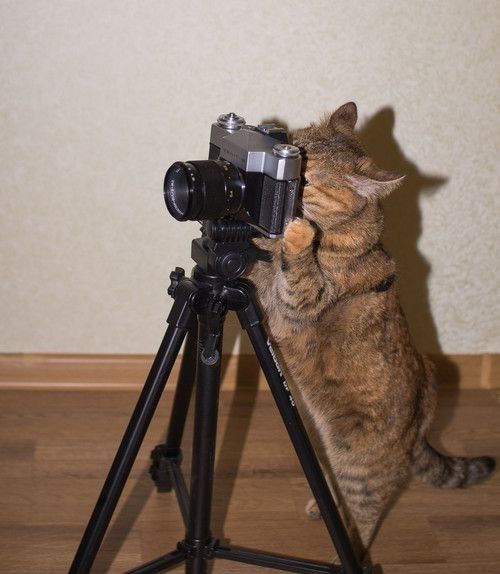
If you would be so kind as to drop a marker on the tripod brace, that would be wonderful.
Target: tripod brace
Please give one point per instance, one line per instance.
(200, 306)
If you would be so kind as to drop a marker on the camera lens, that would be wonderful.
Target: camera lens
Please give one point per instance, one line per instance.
(178, 190)
(199, 190)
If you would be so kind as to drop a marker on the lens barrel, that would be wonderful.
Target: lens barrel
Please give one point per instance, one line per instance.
(208, 189)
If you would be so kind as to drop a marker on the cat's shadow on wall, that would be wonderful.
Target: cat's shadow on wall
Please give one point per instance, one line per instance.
(403, 226)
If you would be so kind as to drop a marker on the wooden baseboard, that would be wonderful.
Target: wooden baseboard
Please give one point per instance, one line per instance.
(106, 372)
(122, 372)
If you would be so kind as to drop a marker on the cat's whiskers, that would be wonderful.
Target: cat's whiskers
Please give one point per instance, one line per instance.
(304, 211)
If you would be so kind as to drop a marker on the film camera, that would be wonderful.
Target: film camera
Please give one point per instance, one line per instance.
(252, 175)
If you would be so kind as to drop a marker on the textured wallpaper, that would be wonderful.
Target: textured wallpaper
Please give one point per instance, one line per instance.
(97, 99)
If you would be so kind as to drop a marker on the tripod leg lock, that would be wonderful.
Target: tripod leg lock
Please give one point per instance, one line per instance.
(175, 278)
(181, 315)
(241, 299)
(210, 359)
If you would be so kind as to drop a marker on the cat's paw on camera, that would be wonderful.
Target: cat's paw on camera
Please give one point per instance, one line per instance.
(299, 235)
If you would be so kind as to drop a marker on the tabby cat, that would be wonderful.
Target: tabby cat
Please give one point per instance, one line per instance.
(330, 299)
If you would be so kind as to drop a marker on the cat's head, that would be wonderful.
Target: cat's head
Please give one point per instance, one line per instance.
(339, 178)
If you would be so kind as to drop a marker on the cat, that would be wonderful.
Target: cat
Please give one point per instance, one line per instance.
(329, 295)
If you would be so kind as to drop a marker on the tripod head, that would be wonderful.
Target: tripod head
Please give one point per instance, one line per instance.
(224, 250)
(222, 255)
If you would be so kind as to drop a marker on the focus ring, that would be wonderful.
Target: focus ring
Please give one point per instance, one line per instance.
(207, 189)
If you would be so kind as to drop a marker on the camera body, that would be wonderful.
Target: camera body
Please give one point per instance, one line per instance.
(270, 166)
(252, 175)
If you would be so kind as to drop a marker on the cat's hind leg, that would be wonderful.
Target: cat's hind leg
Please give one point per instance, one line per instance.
(364, 492)
(367, 494)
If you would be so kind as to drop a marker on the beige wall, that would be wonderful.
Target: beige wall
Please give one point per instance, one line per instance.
(98, 98)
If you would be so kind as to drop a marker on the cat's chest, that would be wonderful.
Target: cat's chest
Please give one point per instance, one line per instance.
(264, 276)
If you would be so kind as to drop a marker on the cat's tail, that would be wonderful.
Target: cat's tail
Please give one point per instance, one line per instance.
(442, 471)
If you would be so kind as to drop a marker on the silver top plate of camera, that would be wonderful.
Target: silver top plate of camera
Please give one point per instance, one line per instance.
(254, 149)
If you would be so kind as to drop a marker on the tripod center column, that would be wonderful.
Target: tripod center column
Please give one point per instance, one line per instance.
(199, 540)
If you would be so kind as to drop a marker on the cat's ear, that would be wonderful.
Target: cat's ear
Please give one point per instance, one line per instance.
(345, 118)
(374, 183)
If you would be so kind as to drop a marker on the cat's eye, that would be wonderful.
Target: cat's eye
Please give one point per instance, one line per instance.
(304, 181)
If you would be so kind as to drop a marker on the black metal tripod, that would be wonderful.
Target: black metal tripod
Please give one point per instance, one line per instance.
(200, 306)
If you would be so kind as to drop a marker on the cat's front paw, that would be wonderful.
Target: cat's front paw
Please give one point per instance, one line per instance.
(299, 235)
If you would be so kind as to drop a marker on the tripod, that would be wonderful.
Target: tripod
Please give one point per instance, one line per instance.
(200, 305)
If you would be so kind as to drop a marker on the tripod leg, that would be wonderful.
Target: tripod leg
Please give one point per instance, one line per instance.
(198, 538)
(183, 393)
(251, 322)
(163, 453)
(180, 320)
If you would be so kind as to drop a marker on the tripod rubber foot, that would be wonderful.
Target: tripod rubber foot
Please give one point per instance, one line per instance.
(161, 459)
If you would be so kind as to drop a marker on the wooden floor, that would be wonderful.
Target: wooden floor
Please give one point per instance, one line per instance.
(56, 448)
